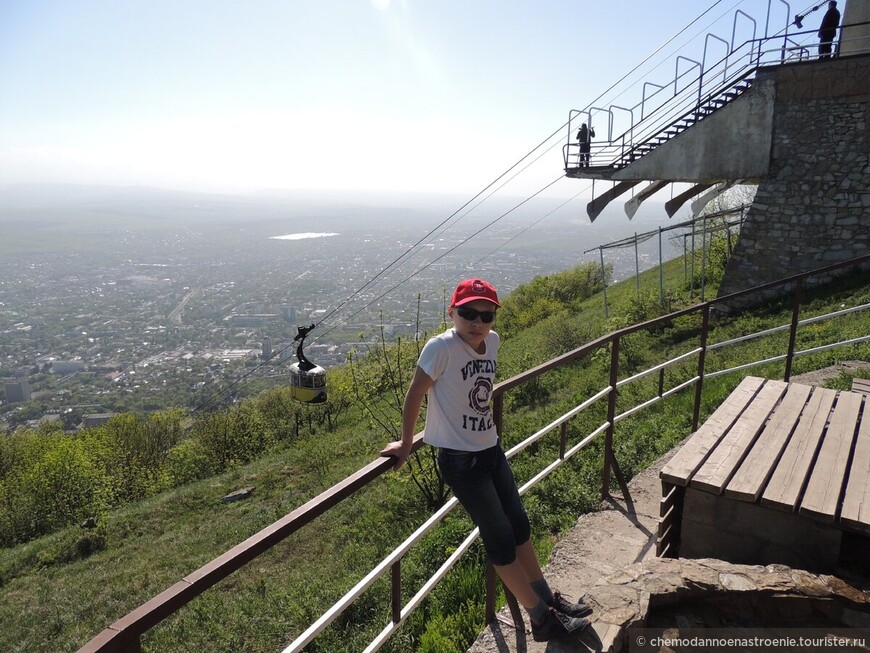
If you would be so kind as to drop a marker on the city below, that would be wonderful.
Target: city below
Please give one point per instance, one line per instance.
(139, 300)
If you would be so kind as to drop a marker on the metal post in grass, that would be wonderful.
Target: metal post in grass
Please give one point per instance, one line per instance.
(792, 334)
(661, 272)
(692, 265)
(490, 593)
(685, 261)
(603, 279)
(396, 591)
(699, 384)
(611, 414)
(703, 256)
(636, 267)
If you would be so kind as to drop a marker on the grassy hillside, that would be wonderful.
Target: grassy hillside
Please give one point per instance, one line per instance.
(60, 590)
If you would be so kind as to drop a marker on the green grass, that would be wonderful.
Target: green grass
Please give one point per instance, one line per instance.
(59, 591)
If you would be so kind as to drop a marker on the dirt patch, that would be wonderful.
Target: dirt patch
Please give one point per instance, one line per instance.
(819, 377)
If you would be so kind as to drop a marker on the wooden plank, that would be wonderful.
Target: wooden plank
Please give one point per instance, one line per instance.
(861, 385)
(692, 455)
(669, 498)
(822, 495)
(758, 466)
(784, 488)
(856, 504)
(721, 464)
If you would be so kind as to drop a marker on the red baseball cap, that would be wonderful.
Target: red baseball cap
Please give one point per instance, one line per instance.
(472, 289)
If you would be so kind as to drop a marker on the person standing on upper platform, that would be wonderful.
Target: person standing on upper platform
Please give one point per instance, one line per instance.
(584, 137)
(828, 30)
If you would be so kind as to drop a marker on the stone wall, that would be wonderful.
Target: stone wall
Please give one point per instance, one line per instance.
(813, 208)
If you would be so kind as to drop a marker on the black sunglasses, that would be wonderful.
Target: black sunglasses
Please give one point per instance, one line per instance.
(472, 314)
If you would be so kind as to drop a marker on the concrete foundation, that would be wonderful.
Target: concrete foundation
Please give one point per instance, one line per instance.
(747, 533)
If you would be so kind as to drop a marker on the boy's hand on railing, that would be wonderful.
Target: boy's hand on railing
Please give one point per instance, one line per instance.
(397, 450)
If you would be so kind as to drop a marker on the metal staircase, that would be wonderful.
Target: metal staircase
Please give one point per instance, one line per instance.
(692, 95)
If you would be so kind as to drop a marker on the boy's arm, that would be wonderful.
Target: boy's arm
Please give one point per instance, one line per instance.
(400, 450)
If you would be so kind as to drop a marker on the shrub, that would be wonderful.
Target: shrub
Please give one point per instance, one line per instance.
(62, 488)
(234, 436)
(188, 461)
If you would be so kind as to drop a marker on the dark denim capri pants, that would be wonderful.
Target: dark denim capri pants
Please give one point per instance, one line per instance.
(484, 484)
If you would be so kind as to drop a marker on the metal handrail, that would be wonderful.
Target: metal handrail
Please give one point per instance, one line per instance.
(680, 105)
(125, 634)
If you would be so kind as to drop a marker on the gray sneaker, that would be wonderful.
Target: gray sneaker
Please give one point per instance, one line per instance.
(564, 605)
(558, 626)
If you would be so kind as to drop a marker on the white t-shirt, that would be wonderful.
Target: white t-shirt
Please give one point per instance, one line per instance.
(459, 415)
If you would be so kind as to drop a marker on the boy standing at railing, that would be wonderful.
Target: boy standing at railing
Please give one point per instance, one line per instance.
(457, 371)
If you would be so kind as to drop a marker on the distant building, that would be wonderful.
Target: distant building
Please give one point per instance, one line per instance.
(17, 391)
(251, 319)
(67, 367)
(95, 419)
(267, 348)
(289, 313)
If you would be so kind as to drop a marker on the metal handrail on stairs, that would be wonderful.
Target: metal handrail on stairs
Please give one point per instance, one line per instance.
(692, 99)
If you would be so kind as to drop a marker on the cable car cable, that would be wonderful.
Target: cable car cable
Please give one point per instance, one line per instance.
(407, 252)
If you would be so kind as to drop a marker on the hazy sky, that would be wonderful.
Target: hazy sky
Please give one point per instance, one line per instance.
(242, 95)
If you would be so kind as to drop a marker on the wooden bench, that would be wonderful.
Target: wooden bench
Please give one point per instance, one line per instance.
(776, 474)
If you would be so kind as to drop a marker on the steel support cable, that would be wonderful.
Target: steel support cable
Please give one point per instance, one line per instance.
(537, 147)
(527, 228)
(422, 268)
(277, 352)
(431, 231)
(522, 231)
(407, 252)
(219, 396)
(432, 235)
(541, 144)
(664, 45)
(457, 246)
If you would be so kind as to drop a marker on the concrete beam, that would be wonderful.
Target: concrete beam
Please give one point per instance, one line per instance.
(672, 206)
(596, 206)
(632, 205)
(699, 204)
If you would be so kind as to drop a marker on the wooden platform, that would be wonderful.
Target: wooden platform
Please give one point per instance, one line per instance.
(783, 446)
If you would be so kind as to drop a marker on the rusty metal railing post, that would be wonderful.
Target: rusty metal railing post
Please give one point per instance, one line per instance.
(497, 418)
(498, 412)
(792, 334)
(396, 591)
(611, 415)
(699, 385)
(490, 593)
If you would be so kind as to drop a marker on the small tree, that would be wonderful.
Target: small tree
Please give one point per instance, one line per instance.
(714, 234)
(378, 382)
